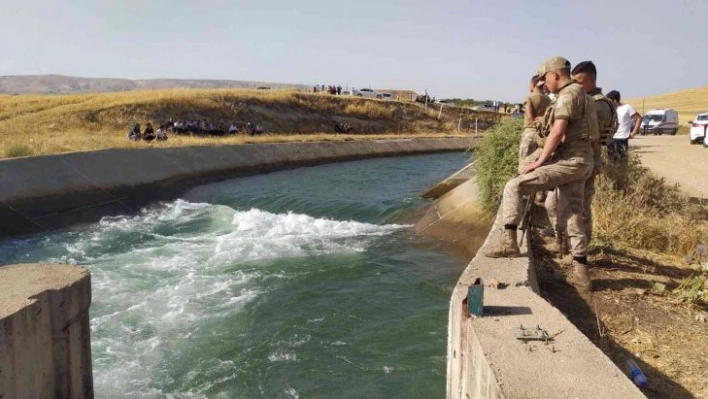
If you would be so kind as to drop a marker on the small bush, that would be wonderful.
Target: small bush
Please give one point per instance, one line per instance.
(15, 150)
(497, 161)
(694, 289)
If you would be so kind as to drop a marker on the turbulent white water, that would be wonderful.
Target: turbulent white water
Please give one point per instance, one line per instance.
(276, 293)
(161, 276)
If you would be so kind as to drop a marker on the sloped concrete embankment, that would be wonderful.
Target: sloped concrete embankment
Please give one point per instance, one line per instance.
(457, 216)
(485, 360)
(49, 192)
(45, 349)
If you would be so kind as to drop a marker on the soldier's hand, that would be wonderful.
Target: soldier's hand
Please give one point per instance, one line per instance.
(530, 168)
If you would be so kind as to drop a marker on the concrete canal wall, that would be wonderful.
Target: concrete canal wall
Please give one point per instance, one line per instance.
(45, 348)
(485, 359)
(49, 192)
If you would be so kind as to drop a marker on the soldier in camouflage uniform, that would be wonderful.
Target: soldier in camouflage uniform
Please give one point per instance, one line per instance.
(585, 73)
(565, 161)
(535, 105)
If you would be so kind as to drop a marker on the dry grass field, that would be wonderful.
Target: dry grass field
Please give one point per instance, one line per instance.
(687, 103)
(48, 124)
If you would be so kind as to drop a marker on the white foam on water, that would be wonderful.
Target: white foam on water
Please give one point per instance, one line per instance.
(292, 392)
(162, 277)
(282, 356)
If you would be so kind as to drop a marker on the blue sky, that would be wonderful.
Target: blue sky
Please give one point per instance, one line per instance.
(476, 49)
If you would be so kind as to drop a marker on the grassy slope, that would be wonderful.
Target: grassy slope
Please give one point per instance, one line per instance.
(44, 124)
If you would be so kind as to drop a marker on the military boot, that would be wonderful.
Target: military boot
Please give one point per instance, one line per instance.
(507, 247)
(580, 277)
(560, 244)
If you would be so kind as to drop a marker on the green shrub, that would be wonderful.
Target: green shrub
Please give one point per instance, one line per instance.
(497, 161)
(17, 150)
(694, 289)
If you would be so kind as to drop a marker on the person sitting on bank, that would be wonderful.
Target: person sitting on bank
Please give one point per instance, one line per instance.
(149, 133)
(161, 133)
(134, 134)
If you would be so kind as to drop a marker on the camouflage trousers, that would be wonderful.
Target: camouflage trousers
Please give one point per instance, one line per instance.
(569, 177)
(527, 147)
(557, 207)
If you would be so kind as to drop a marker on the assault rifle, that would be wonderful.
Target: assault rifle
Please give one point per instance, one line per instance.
(526, 216)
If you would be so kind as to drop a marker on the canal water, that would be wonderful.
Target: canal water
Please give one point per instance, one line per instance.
(308, 283)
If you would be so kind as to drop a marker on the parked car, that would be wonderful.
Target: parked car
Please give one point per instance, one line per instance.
(423, 98)
(385, 96)
(660, 121)
(698, 128)
(483, 107)
(369, 93)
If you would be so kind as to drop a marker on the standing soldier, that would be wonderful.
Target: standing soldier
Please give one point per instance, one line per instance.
(565, 162)
(585, 74)
(535, 106)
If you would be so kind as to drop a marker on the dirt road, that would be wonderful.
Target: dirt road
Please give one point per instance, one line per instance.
(673, 158)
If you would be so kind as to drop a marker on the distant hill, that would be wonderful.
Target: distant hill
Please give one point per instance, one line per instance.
(687, 102)
(60, 84)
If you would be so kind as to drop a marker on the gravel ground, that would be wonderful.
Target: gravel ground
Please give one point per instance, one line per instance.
(673, 158)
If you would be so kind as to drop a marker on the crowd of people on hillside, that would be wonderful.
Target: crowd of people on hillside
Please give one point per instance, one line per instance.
(332, 89)
(200, 128)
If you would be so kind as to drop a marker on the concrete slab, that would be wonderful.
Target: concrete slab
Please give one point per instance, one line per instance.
(447, 185)
(458, 218)
(45, 346)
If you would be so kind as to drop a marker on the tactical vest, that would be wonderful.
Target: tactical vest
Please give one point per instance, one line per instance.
(571, 139)
(606, 132)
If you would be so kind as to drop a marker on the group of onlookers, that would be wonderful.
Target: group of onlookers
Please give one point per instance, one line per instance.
(148, 134)
(199, 128)
(205, 128)
(332, 89)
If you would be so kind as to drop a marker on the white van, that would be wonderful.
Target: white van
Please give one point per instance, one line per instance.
(660, 121)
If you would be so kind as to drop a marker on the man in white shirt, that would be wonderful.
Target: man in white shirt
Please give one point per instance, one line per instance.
(618, 148)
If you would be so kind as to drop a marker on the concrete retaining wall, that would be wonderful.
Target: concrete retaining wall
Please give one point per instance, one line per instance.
(49, 192)
(45, 349)
(457, 216)
(447, 185)
(485, 360)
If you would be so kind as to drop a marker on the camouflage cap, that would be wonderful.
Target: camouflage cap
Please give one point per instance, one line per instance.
(553, 64)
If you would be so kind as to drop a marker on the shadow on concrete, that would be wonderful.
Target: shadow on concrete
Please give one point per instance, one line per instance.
(578, 309)
(506, 310)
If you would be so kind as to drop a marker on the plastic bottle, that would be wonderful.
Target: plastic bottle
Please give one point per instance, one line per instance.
(636, 374)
